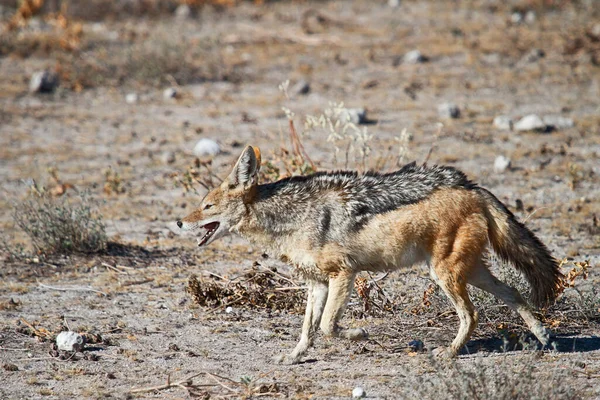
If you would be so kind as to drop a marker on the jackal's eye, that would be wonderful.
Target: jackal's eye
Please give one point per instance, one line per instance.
(207, 206)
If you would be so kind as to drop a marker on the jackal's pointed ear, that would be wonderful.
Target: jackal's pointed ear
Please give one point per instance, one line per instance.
(245, 171)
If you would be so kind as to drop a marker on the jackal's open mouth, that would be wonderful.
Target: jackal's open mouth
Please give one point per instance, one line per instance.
(211, 228)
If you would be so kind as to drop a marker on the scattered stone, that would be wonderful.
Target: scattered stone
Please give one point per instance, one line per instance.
(356, 116)
(530, 17)
(358, 393)
(302, 87)
(503, 123)
(519, 205)
(183, 11)
(131, 98)
(448, 110)
(557, 122)
(206, 147)
(594, 32)
(10, 367)
(414, 57)
(501, 164)
(170, 93)
(168, 157)
(533, 55)
(394, 3)
(43, 82)
(229, 310)
(416, 345)
(530, 122)
(516, 18)
(70, 341)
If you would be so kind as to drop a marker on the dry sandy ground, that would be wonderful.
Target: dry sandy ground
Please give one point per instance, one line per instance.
(149, 326)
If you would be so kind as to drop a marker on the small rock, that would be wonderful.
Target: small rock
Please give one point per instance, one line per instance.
(170, 93)
(302, 87)
(530, 122)
(183, 11)
(358, 393)
(70, 341)
(448, 110)
(354, 115)
(131, 98)
(516, 18)
(503, 123)
(557, 122)
(530, 17)
(229, 310)
(169, 157)
(10, 367)
(206, 147)
(414, 57)
(416, 345)
(501, 164)
(594, 32)
(394, 3)
(43, 82)
(533, 55)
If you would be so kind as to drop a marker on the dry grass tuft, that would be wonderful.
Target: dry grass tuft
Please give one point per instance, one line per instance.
(61, 226)
(500, 380)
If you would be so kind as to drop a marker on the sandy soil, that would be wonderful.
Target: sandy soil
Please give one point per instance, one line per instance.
(151, 330)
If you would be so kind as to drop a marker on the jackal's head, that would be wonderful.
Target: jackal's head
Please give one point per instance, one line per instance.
(225, 206)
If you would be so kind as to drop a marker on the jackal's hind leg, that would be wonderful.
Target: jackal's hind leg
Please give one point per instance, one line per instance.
(448, 278)
(484, 280)
(317, 296)
(340, 288)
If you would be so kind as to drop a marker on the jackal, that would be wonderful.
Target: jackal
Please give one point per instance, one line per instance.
(332, 225)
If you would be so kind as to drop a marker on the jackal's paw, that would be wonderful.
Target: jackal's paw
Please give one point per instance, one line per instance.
(355, 334)
(443, 352)
(286, 359)
(542, 334)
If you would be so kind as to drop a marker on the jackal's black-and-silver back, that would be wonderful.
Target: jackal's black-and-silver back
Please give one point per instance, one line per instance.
(347, 199)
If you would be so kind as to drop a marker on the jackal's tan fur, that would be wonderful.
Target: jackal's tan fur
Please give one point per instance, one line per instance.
(332, 226)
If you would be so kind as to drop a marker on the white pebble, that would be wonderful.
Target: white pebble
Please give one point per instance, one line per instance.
(501, 164)
(516, 18)
(503, 123)
(353, 115)
(414, 57)
(206, 147)
(131, 98)
(170, 93)
(530, 122)
(358, 393)
(558, 122)
(43, 82)
(70, 341)
(448, 110)
(229, 310)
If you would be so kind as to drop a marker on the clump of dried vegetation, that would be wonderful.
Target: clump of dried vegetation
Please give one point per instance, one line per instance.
(84, 58)
(481, 380)
(58, 224)
(258, 287)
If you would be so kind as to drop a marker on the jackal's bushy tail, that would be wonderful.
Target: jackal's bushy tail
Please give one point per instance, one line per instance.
(514, 242)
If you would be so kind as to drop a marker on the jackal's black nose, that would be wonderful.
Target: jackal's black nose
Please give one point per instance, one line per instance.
(179, 224)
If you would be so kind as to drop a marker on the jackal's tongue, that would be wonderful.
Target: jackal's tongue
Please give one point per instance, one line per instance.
(210, 230)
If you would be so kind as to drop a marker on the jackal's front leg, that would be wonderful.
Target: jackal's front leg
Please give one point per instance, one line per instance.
(317, 296)
(340, 288)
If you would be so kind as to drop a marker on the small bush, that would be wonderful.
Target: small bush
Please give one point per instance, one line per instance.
(502, 379)
(60, 226)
